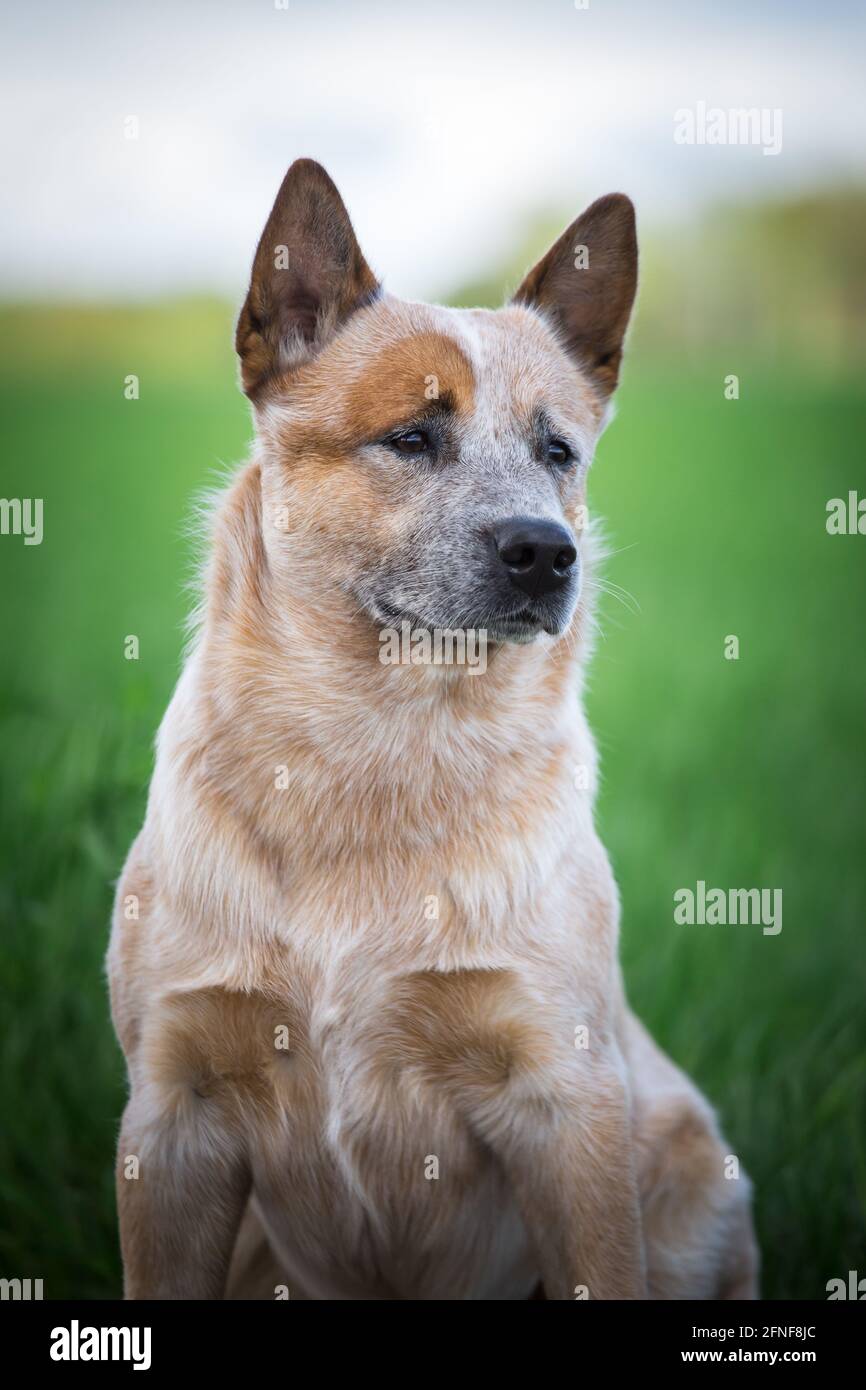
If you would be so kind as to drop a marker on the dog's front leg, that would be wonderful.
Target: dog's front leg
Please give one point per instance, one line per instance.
(182, 1181)
(572, 1169)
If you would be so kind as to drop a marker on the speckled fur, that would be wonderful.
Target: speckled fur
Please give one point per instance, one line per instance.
(368, 908)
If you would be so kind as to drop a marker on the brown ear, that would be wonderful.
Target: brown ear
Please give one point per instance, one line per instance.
(308, 276)
(586, 284)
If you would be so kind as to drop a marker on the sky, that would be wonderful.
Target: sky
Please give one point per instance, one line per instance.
(446, 125)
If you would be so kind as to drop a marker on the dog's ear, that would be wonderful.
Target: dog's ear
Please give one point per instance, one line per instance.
(308, 276)
(586, 284)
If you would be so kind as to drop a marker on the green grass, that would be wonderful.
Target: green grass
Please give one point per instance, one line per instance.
(746, 773)
(743, 773)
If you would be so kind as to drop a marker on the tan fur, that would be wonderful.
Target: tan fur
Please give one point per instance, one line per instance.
(301, 912)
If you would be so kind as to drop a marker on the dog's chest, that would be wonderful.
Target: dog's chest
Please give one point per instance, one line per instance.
(351, 1113)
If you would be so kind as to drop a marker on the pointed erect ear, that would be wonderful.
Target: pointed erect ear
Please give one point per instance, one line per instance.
(308, 276)
(586, 285)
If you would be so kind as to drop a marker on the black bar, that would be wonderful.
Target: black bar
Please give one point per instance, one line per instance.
(261, 1337)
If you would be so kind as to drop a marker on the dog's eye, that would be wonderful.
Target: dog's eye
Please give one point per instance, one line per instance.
(411, 442)
(558, 452)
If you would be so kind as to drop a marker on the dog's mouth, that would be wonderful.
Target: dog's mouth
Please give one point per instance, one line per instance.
(529, 622)
(521, 625)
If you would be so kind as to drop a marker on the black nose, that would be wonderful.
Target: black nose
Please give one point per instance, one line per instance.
(538, 555)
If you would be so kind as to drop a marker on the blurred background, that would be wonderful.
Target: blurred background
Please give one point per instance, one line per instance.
(142, 147)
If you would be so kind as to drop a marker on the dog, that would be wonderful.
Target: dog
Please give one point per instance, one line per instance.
(363, 963)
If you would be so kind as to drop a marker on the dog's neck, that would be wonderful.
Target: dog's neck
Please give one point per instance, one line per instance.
(309, 732)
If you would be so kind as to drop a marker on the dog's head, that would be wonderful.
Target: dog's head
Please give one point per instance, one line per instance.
(423, 463)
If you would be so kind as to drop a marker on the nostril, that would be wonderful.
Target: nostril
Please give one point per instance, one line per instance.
(518, 557)
(565, 559)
